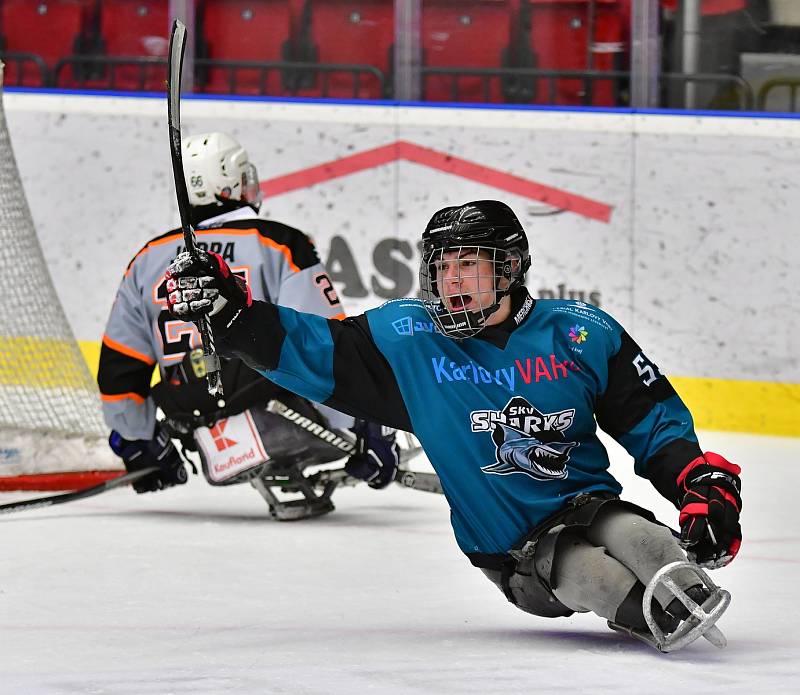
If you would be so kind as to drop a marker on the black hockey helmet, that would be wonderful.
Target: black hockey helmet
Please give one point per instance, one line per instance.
(485, 229)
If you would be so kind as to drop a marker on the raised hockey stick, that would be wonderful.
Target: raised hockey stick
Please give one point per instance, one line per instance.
(41, 502)
(177, 47)
(426, 482)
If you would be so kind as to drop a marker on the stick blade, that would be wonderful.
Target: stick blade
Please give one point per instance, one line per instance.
(177, 48)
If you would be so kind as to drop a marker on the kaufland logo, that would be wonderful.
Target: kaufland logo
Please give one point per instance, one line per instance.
(408, 326)
(235, 461)
(218, 435)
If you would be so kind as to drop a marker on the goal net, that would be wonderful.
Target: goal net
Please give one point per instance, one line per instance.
(52, 434)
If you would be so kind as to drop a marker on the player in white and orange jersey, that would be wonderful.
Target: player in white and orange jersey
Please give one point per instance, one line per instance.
(236, 436)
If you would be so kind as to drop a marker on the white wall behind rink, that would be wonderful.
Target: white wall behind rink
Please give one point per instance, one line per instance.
(698, 258)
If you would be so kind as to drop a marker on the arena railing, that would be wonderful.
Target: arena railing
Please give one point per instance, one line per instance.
(19, 60)
(102, 72)
(518, 85)
(296, 76)
(792, 83)
(740, 90)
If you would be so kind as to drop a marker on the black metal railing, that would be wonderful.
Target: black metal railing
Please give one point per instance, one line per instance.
(16, 77)
(295, 76)
(508, 85)
(519, 85)
(103, 72)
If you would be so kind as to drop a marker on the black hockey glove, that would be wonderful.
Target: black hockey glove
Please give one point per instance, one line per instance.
(709, 489)
(377, 455)
(142, 453)
(204, 285)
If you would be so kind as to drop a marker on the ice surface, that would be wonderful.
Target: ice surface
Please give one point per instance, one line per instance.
(194, 590)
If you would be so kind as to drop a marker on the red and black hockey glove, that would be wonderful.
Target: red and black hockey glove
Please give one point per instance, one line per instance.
(204, 285)
(710, 504)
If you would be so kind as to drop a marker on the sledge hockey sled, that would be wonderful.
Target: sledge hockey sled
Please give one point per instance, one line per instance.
(702, 618)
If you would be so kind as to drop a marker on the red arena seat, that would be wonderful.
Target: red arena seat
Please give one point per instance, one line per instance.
(135, 28)
(560, 41)
(354, 32)
(245, 30)
(466, 34)
(49, 30)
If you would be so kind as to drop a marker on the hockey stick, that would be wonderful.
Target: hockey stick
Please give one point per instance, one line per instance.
(177, 47)
(427, 482)
(42, 502)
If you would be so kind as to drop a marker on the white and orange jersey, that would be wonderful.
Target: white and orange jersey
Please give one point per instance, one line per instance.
(279, 263)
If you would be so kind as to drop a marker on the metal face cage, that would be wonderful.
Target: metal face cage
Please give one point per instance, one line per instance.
(462, 286)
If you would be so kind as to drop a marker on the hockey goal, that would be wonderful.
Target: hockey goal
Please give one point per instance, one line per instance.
(52, 434)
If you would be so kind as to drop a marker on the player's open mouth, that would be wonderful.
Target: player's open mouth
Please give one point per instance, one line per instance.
(460, 302)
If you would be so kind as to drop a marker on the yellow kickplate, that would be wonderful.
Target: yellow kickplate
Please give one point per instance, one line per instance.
(761, 407)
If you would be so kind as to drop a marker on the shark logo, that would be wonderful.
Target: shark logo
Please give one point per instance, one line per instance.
(520, 454)
(527, 440)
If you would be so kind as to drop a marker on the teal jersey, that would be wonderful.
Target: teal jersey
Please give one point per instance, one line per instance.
(508, 419)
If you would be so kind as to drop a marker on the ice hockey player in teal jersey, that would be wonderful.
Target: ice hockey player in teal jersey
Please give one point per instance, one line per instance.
(505, 394)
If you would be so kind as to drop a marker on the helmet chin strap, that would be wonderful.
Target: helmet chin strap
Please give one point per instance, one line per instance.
(497, 307)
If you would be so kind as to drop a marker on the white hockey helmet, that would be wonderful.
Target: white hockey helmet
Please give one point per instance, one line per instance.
(218, 170)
